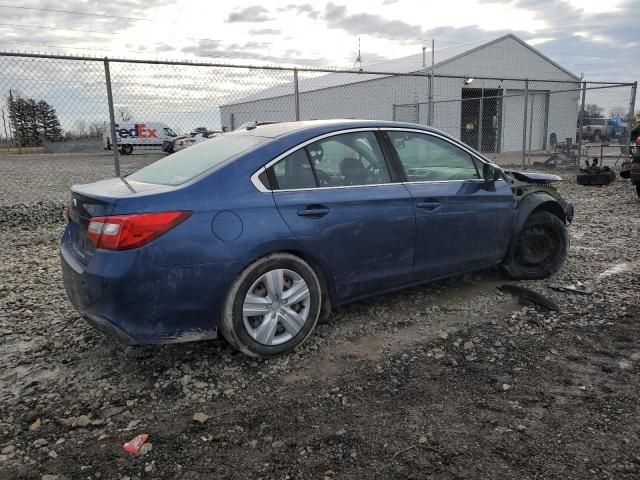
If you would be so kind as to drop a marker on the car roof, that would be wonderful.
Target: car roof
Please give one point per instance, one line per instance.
(318, 127)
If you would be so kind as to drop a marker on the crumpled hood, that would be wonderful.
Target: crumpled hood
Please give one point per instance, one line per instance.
(534, 177)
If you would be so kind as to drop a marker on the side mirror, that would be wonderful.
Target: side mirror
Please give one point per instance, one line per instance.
(491, 173)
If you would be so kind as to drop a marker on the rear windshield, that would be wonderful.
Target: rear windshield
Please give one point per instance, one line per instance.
(189, 163)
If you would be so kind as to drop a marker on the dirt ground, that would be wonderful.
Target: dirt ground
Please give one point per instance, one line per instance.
(453, 380)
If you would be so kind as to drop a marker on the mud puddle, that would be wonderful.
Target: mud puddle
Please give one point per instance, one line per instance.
(451, 308)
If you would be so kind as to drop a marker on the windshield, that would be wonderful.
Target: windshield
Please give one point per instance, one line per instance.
(170, 132)
(186, 164)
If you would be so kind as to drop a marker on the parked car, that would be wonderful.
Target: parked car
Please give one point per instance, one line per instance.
(132, 135)
(184, 141)
(253, 124)
(598, 129)
(256, 234)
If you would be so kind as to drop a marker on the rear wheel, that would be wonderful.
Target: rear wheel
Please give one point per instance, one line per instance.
(638, 190)
(596, 137)
(126, 149)
(541, 247)
(272, 307)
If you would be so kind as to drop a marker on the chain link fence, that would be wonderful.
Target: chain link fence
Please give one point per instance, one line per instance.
(91, 106)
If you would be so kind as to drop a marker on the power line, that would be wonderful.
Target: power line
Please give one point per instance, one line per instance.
(72, 12)
(54, 28)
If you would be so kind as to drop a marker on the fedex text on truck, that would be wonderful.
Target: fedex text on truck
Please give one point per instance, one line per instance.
(139, 130)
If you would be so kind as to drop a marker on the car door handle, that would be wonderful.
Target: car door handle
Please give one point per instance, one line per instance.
(431, 206)
(314, 211)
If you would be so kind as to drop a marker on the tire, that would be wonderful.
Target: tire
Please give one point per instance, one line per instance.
(276, 329)
(596, 137)
(126, 149)
(596, 178)
(638, 190)
(540, 249)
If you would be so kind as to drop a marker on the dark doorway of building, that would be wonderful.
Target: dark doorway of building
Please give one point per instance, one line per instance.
(480, 118)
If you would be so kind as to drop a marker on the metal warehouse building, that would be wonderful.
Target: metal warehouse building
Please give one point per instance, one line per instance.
(486, 114)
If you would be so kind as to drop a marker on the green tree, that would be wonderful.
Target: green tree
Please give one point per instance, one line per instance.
(33, 123)
(49, 123)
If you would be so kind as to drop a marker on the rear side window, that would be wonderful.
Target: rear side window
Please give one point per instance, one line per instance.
(294, 171)
(189, 163)
(428, 158)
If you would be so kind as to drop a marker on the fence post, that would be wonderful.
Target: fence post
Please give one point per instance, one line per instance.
(480, 115)
(6, 134)
(632, 107)
(581, 123)
(296, 94)
(524, 121)
(112, 118)
(430, 100)
(533, 101)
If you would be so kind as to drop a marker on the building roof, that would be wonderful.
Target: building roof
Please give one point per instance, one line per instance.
(406, 65)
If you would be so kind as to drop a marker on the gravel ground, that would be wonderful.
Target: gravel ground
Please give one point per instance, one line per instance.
(47, 177)
(450, 380)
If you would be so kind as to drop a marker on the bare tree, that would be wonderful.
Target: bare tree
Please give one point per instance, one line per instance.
(591, 110)
(95, 129)
(81, 128)
(618, 112)
(124, 114)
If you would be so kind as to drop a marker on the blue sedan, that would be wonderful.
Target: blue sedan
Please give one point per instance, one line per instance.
(256, 234)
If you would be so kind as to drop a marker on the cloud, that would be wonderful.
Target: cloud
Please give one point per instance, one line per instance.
(336, 16)
(265, 31)
(255, 14)
(250, 51)
(301, 9)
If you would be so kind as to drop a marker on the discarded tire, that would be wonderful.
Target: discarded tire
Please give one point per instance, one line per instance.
(604, 178)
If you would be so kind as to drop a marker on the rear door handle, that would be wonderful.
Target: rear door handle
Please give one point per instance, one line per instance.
(430, 206)
(314, 211)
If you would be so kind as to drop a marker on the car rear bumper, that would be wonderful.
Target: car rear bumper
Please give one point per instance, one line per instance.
(129, 297)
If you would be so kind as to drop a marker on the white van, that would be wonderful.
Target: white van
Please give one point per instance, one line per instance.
(137, 134)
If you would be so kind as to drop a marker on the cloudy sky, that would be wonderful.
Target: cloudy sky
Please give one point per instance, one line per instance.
(599, 38)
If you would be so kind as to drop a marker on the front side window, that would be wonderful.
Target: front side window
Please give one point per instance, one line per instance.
(349, 159)
(294, 171)
(428, 158)
(169, 133)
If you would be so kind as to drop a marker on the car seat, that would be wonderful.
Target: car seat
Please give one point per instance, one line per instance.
(353, 171)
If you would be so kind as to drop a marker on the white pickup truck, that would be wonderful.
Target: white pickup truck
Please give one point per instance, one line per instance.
(137, 134)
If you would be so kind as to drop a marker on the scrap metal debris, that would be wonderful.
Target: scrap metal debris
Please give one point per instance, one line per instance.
(527, 295)
(133, 447)
(570, 289)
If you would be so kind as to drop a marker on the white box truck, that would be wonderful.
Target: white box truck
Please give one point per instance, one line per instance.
(137, 134)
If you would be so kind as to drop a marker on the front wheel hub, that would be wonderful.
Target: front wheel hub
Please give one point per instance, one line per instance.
(537, 245)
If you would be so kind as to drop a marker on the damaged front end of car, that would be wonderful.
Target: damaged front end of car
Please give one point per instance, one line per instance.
(535, 189)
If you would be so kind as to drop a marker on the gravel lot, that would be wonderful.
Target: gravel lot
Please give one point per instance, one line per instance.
(47, 178)
(450, 380)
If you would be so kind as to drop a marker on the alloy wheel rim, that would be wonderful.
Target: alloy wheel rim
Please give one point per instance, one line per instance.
(276, 307)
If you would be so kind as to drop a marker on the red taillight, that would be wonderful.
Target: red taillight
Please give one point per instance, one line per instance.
(634, 170)
(122, 232)
(588, 129)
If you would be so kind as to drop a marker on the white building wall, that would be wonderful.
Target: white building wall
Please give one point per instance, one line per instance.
(375, 99)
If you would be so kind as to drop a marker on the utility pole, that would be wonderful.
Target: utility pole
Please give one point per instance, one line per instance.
(433, 51)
